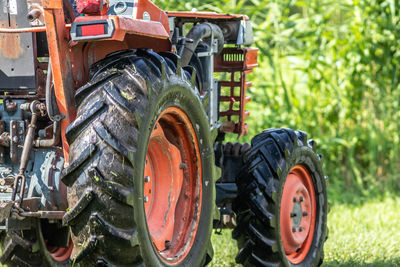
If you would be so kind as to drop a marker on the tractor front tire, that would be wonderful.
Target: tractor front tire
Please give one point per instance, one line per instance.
(140, 180)
(282, 202)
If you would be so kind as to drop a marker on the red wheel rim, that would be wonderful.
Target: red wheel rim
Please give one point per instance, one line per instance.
(298, 212)
(172, 185)
(60, 254)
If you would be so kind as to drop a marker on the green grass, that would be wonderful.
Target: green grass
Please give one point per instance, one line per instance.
(364, 235)
(359, 235)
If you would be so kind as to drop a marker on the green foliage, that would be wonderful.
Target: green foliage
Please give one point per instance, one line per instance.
(330, 68)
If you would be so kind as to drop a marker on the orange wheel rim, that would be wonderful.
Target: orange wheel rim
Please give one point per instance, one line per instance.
(298, 213)
(172, 185)
(60, 254)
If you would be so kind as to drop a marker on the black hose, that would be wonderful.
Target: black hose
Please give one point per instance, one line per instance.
(197, 33)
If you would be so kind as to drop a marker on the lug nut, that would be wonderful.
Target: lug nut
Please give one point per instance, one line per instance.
(182, 166)
(301, 199)
(294, 229)
(300, 229)
(305, 213)
(292, 214)
(294, 199)
(147, 179)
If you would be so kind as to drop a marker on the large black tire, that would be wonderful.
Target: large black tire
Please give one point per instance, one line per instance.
(108, 141)
(266, 167)
(27, 248)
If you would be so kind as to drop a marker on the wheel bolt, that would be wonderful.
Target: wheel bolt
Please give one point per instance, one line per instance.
(301, 199)
(292, 214)
(294, 199)
(182, 166)
(147, 179)
(300, 229)
(294, 229)
(146, 199)
(305, 213)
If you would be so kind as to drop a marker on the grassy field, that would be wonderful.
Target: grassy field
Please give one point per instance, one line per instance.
(359, 235)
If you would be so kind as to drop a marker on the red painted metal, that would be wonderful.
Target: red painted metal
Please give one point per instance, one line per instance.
(126, 26)
(60, 254)
(299, 188)
(233, 60)
(91, 7)
(156, 14)
(92, 30)
(164, 187)
(172, 188)
(60, 54)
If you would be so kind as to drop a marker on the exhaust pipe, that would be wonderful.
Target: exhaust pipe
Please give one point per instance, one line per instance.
(197, 33)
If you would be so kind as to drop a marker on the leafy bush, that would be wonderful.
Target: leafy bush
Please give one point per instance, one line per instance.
(330, 68)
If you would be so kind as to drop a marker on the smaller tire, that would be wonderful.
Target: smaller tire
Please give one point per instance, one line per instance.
(282, 202)
(28, 248)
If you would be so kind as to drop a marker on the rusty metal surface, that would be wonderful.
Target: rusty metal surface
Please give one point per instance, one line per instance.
(5, 210)
(4, 139)
(14, 129)
(17, 66)
(204, 15)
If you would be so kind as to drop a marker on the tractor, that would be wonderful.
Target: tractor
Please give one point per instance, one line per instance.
(113, 116)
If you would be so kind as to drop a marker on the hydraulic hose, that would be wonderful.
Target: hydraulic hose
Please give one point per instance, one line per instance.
(196, 34)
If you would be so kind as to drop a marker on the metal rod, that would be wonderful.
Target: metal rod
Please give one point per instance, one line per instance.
(54, 140)
(23, 30)
(44, 214)
(26, 151)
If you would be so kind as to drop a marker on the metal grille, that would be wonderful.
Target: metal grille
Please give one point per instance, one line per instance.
(239, 61)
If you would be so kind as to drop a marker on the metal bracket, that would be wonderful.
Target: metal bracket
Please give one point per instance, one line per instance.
(17, 130)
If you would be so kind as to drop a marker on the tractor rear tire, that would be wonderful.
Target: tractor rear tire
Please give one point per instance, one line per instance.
(140, 179)
(282, 202)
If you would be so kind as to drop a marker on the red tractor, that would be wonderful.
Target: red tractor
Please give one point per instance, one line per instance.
(112, 125)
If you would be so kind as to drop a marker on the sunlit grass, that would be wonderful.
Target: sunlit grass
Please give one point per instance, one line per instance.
(366, 235)
(225, 249)
(359, 235)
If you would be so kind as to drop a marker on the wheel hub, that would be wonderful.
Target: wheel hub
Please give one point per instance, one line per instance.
(297, 216)
(160, 197)
(172, 185)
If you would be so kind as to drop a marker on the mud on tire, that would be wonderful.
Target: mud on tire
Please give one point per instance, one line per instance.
(268, 231)
(117, 111)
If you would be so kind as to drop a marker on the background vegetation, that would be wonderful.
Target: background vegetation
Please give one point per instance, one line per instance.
(330, 68)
